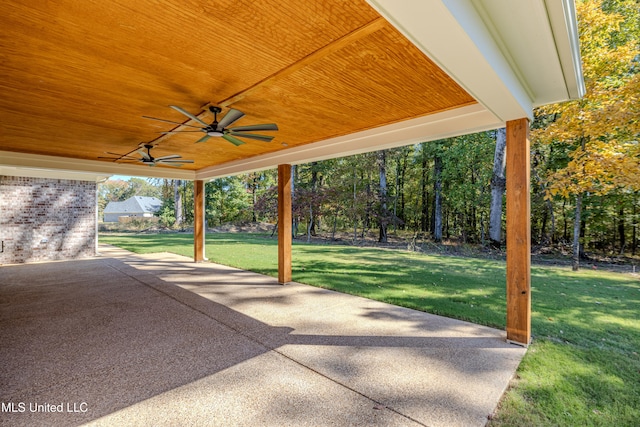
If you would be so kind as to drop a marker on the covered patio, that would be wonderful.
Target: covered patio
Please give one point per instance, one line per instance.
(338, 78)
(126, 339)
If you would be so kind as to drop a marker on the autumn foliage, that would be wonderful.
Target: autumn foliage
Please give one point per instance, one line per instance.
(603, 127)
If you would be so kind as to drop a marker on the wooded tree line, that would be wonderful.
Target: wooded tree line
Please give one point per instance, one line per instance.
(436, 190)
(585, 180)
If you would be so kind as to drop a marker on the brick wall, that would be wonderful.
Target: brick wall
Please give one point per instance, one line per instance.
(46, 219)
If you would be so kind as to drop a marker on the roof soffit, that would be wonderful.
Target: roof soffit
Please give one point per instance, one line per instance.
(454, 35)
(539, 40)
(510, 55)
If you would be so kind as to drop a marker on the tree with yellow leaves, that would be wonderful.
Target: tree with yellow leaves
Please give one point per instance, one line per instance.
(603, 128)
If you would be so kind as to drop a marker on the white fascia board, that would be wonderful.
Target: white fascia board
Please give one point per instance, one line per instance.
(52, 174)
(533, 58)
(454, 36)
(564, 24)
(540, 41)
(12, 163)
(465, 120)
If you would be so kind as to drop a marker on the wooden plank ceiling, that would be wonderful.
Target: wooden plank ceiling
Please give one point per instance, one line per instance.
(77, 76)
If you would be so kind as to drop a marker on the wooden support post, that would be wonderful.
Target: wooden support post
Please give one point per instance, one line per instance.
(518, 233)
(198, 221)
(284, 224)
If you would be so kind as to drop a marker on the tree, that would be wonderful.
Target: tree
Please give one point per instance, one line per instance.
(399, 201)
(313, 207)
(177, 202)
(112, 191)
(603, 127)
(227, 200)
(257, 184)
(498, 184)
(437, 191)
(383, 213)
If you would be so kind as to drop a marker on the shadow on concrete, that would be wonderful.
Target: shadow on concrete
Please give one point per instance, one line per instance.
(110, 333)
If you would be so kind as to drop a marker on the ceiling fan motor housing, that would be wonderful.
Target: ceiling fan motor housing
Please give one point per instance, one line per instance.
(212, 129)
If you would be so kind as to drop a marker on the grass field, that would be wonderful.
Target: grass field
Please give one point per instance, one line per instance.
(583, 367)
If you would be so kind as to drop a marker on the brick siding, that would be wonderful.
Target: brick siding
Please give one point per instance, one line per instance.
(46, 219)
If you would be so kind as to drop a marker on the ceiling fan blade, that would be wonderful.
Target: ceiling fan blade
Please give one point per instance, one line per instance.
(120, 159)
(264, 138)
(169, 121)
(231, 117)
(171, 156)
(175, 161)
(181, 131)
(188, 114)
(265, 126)
(232, 139)
(119, 156)
(203, 139)
(144, 154)
(173, 165)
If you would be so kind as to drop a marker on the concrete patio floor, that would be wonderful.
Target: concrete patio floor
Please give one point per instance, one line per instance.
(126, 339)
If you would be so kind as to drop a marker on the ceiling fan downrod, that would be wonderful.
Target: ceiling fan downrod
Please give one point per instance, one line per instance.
(212, 129)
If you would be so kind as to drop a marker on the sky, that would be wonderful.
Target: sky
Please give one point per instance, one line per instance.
(120, 177)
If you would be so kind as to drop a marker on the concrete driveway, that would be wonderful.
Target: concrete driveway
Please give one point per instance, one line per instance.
(127, 339)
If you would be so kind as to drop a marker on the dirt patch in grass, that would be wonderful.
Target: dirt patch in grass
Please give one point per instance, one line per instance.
(244, 227)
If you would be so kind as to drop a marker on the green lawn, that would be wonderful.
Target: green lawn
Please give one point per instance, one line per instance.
(583, 367)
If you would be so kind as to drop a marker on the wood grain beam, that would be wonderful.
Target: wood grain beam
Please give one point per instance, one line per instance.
(198, 221)
(284, 224)
(340, 43)
(518, 233)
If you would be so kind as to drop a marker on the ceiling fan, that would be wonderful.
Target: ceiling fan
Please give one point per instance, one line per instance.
(146, 158)
(220, 129)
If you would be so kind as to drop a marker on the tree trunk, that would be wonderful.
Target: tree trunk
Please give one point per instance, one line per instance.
(310, 224)
(437, 189)
(577, 225)
(498, 183)
(552, 234)
(565, 236)
(177, 202)
(294, 219)
(383, 218)
(395, 200)
(400, 197)
(621, 229)
(471, 225)
(541, 237)
(335, 226)
(424, 211)
(366, 223)
(576, 233)
(634, 236)
(355, 205)
(254, 196)
(314, 190)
